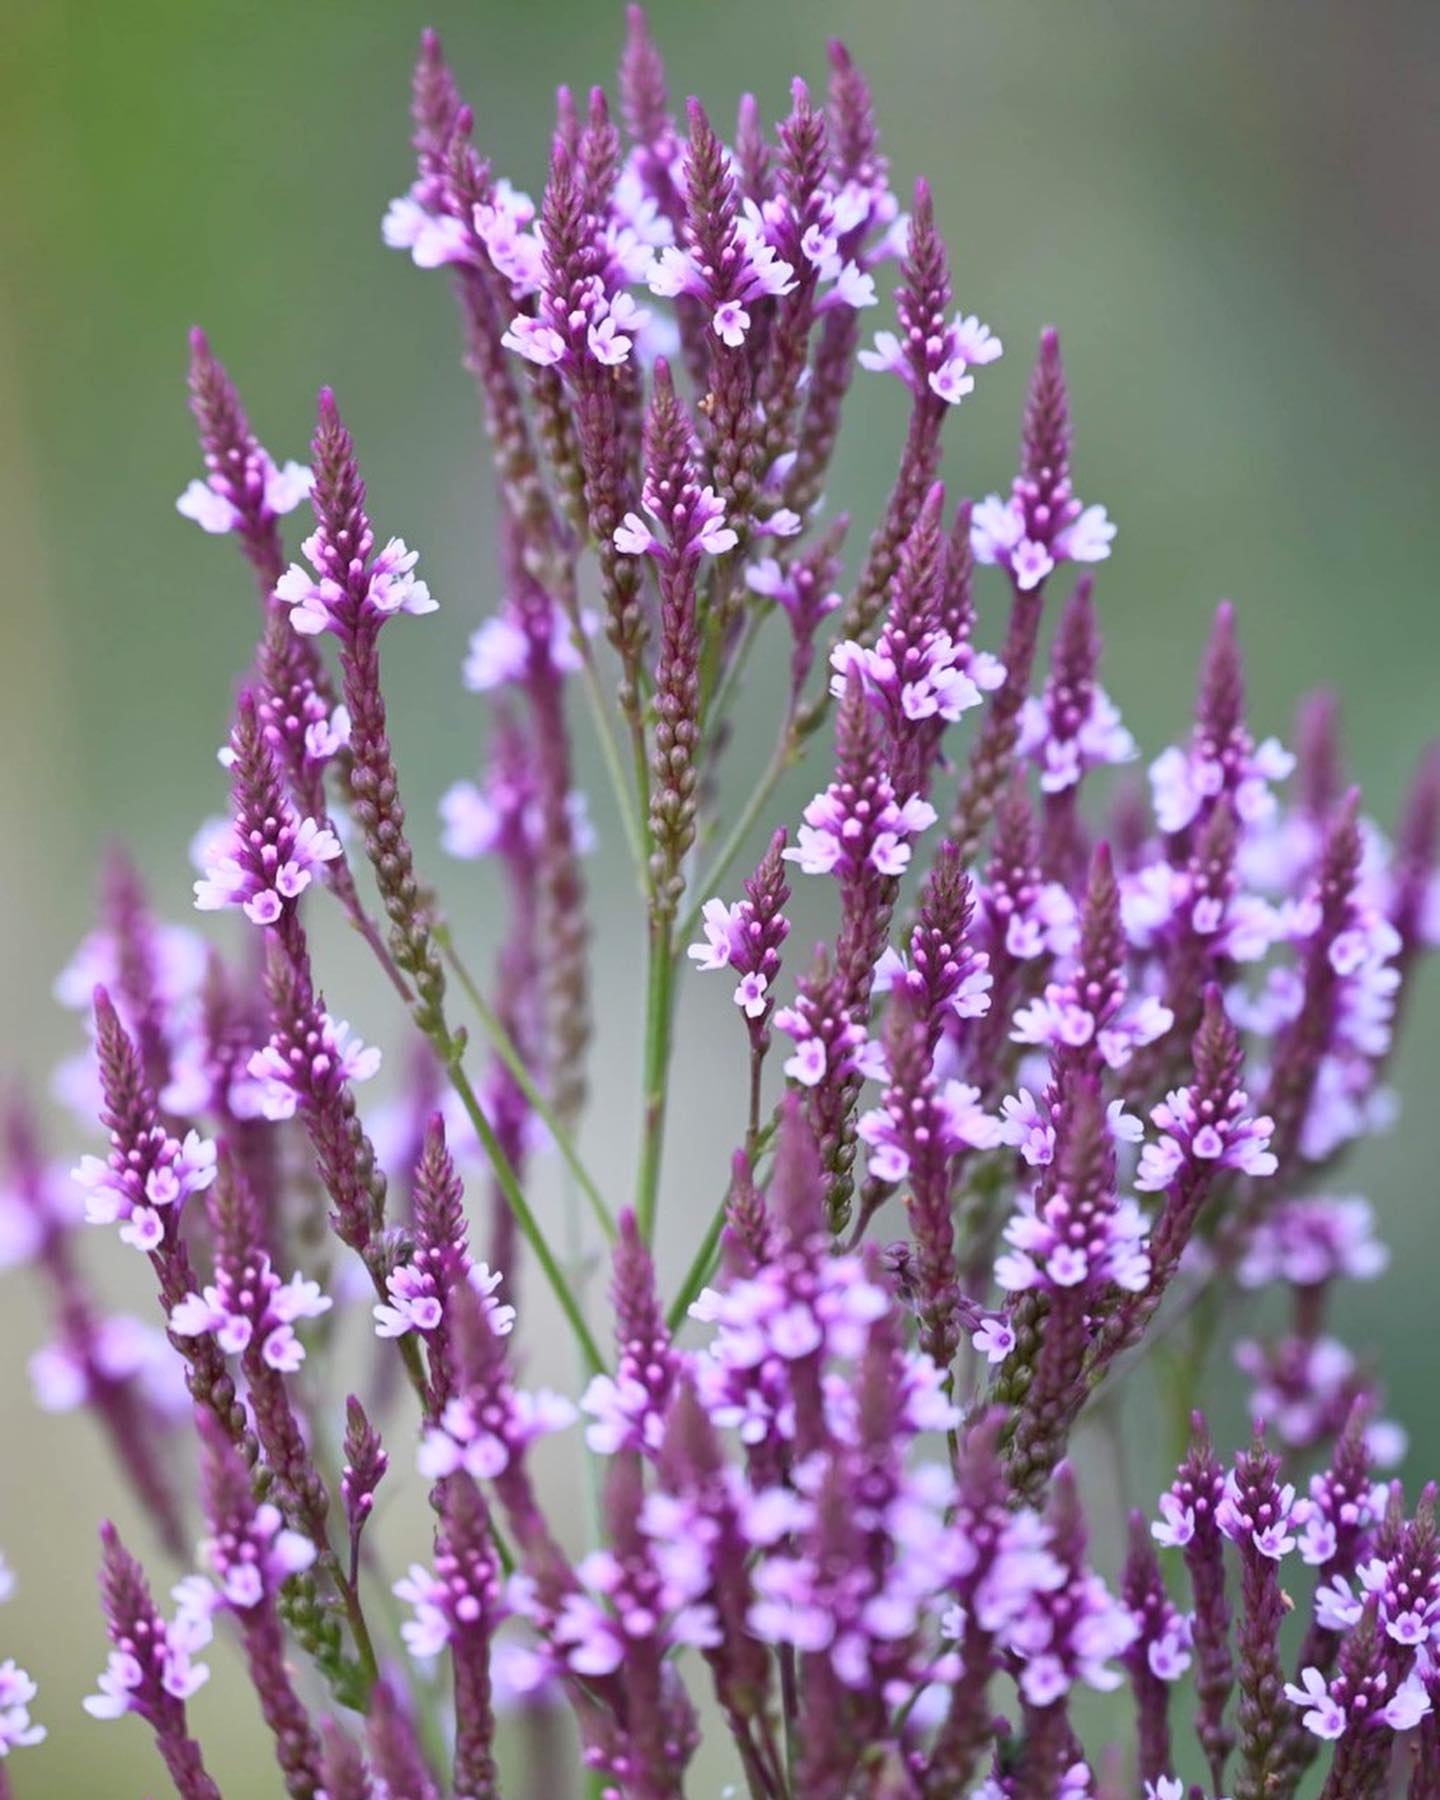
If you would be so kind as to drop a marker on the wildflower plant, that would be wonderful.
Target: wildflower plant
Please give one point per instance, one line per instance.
(1069, 1078)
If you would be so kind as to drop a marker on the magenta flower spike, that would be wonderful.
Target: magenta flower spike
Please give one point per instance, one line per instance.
(243, 491)
(152, 1669)
(250, 1555)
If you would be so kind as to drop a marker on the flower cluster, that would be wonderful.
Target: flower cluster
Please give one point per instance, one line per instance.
(835, 1428)
(152, 1669)
(322, 601)
(17, 1729)
(849, 830)
(253, 1305)
(145, 1180)
(1041, 523)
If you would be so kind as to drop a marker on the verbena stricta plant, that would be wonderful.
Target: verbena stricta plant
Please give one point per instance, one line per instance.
(1072, 1076)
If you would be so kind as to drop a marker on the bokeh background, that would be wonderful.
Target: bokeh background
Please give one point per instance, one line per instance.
(1229, 209)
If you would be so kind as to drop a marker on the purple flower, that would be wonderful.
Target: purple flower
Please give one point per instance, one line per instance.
(1042, 523)
(415, 1302)
(462, 1602)
(252, 1305)
(1305, 1387)
(692, 521)
(287, 1075)
(148, 1174)
(1061, 1018)
(17, 1690)
(320, 603)
(587, 252)
(1258, 1515)
(941, 363)
(994, 1338)
(727, 277)
(1311, 1242)
(249, 1566)
(1058, 1246)
(847, 831)
(1075, 726)
(935, 678)
(509, 647)
(1071, 1628)
(1198, 1132)
(209, 503)
(117, 1349)
(1324, 1716)
(959, 1123)
(151, 1670)
(483, 1436)
(269, 856)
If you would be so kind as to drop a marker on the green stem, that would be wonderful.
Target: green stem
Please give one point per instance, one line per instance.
(610, 755)
(504, 1047)
(784, 754)
(701, 1268)
(520, 1206)
(659, 986)
(359, 1630)
(716, 707)
(578, 1274)
(640, 762)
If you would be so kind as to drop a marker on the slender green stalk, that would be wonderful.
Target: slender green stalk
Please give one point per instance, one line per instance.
(659, 988)
(787, 750)
(614, 767)
(719, 703)
(702, 1267)
(504, 1047)
(640, 761)
(578, 1274)
(355, 1613)
(520, 1206)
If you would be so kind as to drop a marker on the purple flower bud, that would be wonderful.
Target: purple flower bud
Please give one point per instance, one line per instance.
(364, 1470)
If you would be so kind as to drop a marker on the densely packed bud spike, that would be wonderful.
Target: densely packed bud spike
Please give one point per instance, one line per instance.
(598, 154)
(250, 1555)
(365, 1466)
(642, 83)
(855, 165)
(1318, 760)
(752, 152)
(1415, 906)
(1071, 729)
(1159, 1654)
(244, 491)
(629, 1409)
(1300, 1049)
(151, 1670)
(691, 522)
(746, 1239)
(1255, 1516)
(1190, 1523)
(346, 1776)
(394, 1747)
(1045, 434)
(434, 103)
(928, 362)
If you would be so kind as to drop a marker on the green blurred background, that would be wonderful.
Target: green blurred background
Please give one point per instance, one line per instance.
(1229, 209)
